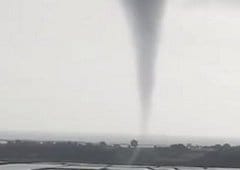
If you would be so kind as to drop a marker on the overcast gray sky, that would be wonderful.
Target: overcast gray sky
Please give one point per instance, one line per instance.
(70, 66)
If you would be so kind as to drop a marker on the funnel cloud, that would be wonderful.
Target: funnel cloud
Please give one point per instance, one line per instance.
(144, 17)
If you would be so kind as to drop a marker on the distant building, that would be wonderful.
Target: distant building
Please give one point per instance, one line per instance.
(3, 142)
(200, 148)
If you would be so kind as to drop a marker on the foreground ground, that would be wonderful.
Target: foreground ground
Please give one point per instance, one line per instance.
(78, 166)
(175, 155)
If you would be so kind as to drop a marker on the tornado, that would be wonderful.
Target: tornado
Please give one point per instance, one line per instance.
(144, 18)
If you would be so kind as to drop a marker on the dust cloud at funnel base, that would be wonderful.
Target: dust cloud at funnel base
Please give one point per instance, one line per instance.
(144, 18)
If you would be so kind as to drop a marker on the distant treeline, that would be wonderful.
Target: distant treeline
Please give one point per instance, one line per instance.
(178, 154)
